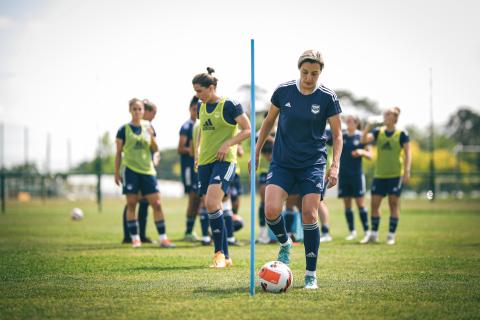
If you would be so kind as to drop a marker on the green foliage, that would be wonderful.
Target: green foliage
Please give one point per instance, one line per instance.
(464, 126)
(54, 268)
(169, 166)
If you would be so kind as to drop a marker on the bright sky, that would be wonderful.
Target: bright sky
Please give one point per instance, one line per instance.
(70, 67)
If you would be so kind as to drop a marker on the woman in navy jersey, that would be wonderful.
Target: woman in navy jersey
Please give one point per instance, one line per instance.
(351, 182)
(189, 177)
(299, 155)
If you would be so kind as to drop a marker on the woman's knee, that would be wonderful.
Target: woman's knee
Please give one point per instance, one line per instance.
(272, 210)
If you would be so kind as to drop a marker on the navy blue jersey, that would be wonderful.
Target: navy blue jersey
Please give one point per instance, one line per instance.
(135, 129)
(404, 137)
(349, 165)
(231, 110)
(187, 130)
(300, 139)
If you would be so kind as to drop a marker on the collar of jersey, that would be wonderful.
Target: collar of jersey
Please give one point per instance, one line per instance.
(297, 83)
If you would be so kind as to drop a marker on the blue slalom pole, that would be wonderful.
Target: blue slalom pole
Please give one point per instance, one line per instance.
(252, 172)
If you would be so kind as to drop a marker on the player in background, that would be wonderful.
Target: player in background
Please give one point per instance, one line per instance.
(351, 180)
(266, 158)
(136, 141)
(206, 239)
(149, 114)
(299, 155)
(216, 155)
(187, 167)
(392, 170)
(231, 203)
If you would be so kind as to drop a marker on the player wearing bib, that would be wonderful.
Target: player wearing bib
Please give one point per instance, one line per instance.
(351, 180)
(149, 115)
(299, 155)
(187, 167)
(216, 155)
(392, 170)
(139, 173)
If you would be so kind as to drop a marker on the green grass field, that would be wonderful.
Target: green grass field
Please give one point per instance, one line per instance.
(52, 267)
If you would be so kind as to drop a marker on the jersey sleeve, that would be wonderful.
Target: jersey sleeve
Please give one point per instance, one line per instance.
(375, 132)
(231, 110)
(334, 107)
(121, 134)
(404, 138)
(184, 129)
(275, 100)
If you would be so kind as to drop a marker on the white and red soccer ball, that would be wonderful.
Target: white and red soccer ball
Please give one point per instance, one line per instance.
(275, 277)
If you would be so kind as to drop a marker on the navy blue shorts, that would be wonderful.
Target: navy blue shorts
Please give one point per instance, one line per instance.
(384, 186)
(195, 182)
(309, 180)
(235, 187)
(351, 186)
(262, 178)
(214, 173)
(189, 178)
(134, 182)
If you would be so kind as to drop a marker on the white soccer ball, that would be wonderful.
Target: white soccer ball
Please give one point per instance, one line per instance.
(76, 214)
(275, 277)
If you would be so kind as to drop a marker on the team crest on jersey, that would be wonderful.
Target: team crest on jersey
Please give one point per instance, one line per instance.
(315, 108)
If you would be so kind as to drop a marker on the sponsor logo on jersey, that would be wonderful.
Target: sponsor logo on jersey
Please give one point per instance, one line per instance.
(139, 144)
(315, 108)
(386, 146)
(269, 175)
(208, 125)
(288, 105)
(217, 178)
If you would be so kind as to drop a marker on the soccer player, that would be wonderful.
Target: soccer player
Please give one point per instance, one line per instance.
(149, 114)
(136, 141)
(264, 164)
(231, 203)
(392, 170)
(187, 167)
(351, 181)
(216, 154)
(206, 239)
(299, 155)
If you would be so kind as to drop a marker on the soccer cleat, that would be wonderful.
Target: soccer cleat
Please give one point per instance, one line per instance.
(136, 243)
(263, 237)
(235, 243)
(351, 236)
(311, 282)
(146, 240)
(284, 253)
(166, 244)
(369, 237)
(391, 239)
(228, 262)
(218, 260)
(190, 237)
(326, 238)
